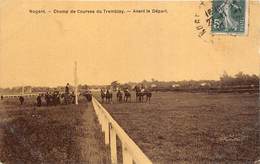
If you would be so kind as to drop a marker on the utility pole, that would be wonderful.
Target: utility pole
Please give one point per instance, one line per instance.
(76, 83)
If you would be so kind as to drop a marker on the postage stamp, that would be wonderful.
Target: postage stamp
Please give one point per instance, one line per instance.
(229, 17)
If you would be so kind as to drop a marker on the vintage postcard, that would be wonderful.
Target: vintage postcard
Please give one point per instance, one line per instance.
(132, 82)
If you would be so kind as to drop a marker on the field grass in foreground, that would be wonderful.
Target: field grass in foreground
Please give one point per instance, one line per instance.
(193, 127)
(61, 134)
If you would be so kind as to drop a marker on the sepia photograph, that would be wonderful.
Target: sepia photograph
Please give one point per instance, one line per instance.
(129, 82)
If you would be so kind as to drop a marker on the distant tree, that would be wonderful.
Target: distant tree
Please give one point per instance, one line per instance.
(115, 85)
(125, 86)
(239, 79)
(226, 80)
(254, 79)
(85, 86)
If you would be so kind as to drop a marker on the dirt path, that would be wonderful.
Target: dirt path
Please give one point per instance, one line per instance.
(62, 134)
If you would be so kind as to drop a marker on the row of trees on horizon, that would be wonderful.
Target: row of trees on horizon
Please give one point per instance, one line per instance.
(225, 81)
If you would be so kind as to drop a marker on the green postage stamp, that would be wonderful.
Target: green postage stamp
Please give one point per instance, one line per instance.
(229, 17)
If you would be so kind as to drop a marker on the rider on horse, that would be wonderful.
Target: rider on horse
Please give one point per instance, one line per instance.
(67, 88)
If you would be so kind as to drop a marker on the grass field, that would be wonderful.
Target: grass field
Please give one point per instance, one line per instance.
(61, 134)
(193, 127)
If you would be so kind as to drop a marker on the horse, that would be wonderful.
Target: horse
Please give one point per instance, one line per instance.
(88, 95)
(148, 95)
(139, 94)
(68, 98)
(109, 97)
(102, 95)
(119, 96)
(127, 96)
(56, 98)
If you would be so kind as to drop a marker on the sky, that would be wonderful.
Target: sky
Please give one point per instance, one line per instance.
(40, 50)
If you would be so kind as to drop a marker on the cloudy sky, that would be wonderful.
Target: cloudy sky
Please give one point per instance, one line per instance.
(41, 49)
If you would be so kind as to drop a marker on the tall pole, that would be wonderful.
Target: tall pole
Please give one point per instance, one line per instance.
(22, 90)
(76, 83)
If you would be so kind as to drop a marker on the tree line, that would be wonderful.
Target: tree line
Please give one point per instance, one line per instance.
(239, 80)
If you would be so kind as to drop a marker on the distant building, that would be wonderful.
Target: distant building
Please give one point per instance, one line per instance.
(176, 85)
(153, 86)
(204, 84)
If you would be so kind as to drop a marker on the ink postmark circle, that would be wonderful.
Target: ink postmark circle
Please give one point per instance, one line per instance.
(203, 20)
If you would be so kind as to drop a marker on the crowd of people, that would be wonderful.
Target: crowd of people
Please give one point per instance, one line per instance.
(56, 97)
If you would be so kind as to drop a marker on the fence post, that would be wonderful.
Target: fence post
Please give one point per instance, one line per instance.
(113, 149)
(102, 122)
(127, 159)
(130, 151)
(106, 126)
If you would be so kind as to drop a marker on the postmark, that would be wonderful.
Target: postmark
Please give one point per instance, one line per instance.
(229, 17)
(203, 20)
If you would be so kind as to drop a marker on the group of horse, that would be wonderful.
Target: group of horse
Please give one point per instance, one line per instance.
(141, 95)
(64, 98)
(57, 98)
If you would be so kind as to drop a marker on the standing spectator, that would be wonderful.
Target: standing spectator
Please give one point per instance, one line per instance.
(39, 100)
(47, 98)
(21, 99)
